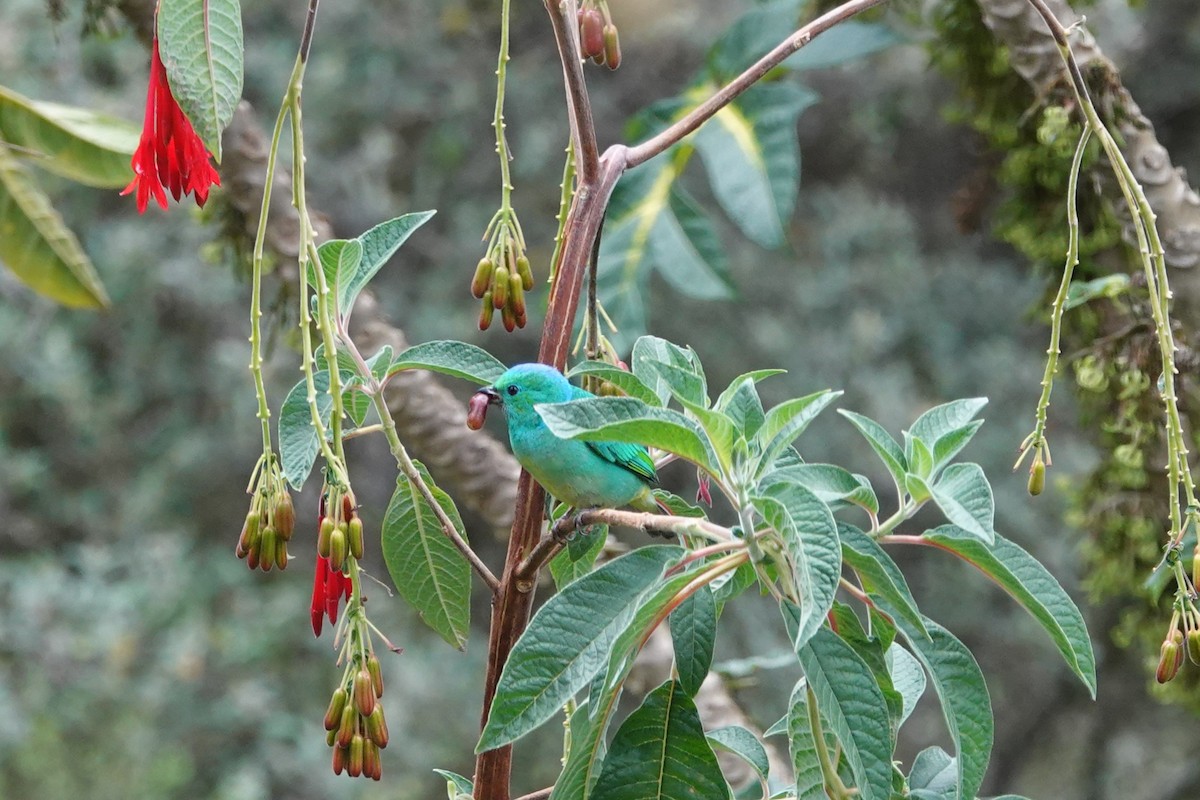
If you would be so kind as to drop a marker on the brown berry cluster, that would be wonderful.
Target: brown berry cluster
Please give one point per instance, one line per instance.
(1170, 655)
(598, 39)
(501, 279)
(354, 720)
(269, 523)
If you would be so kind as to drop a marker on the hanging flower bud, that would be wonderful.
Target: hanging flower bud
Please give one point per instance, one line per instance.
(509, 318)
(376, 671)
(364, 693)
(323, 536)
(348, 725)
(486, 312)
(281, 553)
(377, 727)
(354, 536)
(267, 549)
(612, 46)
(500, 287)
(285, 516)
(1168, 661)
(526, 273)
(1193, 646)
(337, 548)
(516, 294)
(337, 704)
(483, 277)
(371, 763)
(354, 766)
(340, 756)
(591, 34)
(1037, 475)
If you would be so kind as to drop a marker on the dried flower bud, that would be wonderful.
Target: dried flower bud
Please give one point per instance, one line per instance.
(348, 725)
(477, 407)
(354, 535)
(500, 287)
(376, 671)
(337, 548)
(483, 277)
(347, 508)
(1168, 661)
(486, 312)
(612, 46)
(526, 273)
(377, 727)
(364, 693)
(591, 33)
(337, 704)
(285, 516)
(267, 549)
(323, 537)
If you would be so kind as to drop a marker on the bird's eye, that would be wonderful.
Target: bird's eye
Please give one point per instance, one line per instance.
(512, 389)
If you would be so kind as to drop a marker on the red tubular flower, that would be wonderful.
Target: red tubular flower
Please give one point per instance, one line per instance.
(171, 154)
(330, 586)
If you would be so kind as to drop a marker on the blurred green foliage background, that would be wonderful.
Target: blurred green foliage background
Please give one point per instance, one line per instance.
(139, 658)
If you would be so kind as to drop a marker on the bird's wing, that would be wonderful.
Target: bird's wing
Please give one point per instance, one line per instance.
(632, 457)
(627, 455)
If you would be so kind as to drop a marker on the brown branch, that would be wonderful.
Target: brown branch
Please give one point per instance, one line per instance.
(579, 107)
(702, 113)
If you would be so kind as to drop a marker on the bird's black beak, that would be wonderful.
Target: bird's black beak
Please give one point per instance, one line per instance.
(491, 394)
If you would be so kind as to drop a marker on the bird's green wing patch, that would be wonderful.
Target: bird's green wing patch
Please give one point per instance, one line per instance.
(632, 457)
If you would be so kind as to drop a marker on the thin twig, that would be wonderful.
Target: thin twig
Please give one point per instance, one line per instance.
(579, 107)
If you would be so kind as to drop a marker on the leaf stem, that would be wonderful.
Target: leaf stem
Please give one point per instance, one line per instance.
(833, 782)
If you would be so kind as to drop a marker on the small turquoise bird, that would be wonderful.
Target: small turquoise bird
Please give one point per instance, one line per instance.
(580, 473)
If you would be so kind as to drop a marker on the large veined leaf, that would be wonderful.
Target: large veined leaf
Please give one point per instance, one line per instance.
(377, 246)
(624, 380)
(693, 633)
(882, 443)
(965, 497)
(650, 353)
(752, 157)
(458, 359)
(298, 439)
(806, 763)
(37, 245)
(568, 641)
(850, 699)
(85, 146)
(878, 572)
(200, 43)
(660, 753)
(1031, 585)
(744, 744)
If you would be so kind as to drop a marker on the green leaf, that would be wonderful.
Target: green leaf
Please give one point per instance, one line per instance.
(650, 351)
(1031, 585)
(379, 363)
(834, 485)
(851, 701)
(882, 443)
(685, 383)
(810, 781)
(732, 584)
(785, 422)
(871, 649)
(624, 380)
(82, 145)
(721, 432)
(462, 785)
(752, 158)
(298, 440)
(743, 744)
(810, 541)
(330, 255)
(585, 755)
(907, 677)
(965, 497)
(200, 43)
(457, 359)
(427, 569)
(694, 633)
(377, 245)
(941, 420)
(878, 572)
(660, 753)
(573, 562)
(568, 641)
(964, 697)
(348, 262)
(919, 457)
(741, 403)
(934, 775)
(624, 419)
(949, 445)
(37, 245)
(356, 403)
